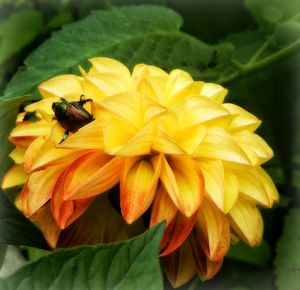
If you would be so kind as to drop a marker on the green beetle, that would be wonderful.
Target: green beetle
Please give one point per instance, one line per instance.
(71, 115)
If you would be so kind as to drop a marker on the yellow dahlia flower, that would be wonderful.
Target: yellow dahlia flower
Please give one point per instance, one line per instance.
(169, 143)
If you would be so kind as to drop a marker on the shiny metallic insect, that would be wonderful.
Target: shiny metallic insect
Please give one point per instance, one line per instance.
(72, 115)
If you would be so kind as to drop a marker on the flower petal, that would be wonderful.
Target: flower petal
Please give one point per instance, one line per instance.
(138, 184)
(61, 86)
(231, 189)
(163, 209)
(212, 231)
(177, 232)
(40, 187)
(220, 145)
(184, 183)
(16, 175)
(91, 174)
(246, 221)
(17, 155)
(214, 92)
(180, 265)
(66, 212)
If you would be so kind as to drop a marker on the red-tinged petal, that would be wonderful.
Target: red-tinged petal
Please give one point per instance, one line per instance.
(17, 155)
(177, 232)
(163, 208)
(206, 268)
(180, 265)
(138, 184)
(184, 183)
(16, 175)
(61, 86)
(107, 226)
(47, 224)
(212, 231)
(40, 188)
(91, 174)
(66, 212)
(246, 221)
(32, 152)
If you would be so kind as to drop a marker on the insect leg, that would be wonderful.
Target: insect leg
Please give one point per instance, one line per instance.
(66, 134)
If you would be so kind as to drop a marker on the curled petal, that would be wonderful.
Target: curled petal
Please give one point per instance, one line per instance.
(138, 184)
(180, 265)
(246, 222)
(184, 183)
(16, 175)
(212, 231)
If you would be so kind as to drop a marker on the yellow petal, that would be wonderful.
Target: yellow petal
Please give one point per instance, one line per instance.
(89, 136)
(17, 155)
(246, 221)
(214, 92)
(251, 187)
(213, 173)
(231, 189)
(138, 186)
(184, 183)
(91, 174)
(242, 120)
(220, 145)
(197, 110)
(252, 143)
(16, 175)
(212, 231)
(61, 86)
(180, 265)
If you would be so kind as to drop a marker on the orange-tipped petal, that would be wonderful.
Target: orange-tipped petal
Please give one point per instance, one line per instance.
(138, 184)
(177, 232)
(16, 175)
(163, 208)
(180, 265)
(206, 268)
(91, 174)
(66, 212)
(47, 224)
(40, 187)
(212, 231)
(184, 183)
(246, 222)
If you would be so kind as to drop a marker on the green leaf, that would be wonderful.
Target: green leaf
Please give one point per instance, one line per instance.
(3, 249)
(130, 265)
(15, 229)
(18, 31)
(287, 32)
(256, 256)
(268, 13)
(287, 261)
(131, 34)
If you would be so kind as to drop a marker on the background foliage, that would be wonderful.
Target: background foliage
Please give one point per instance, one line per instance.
(251, 46)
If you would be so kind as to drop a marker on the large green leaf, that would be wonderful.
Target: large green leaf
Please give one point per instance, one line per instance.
(18, 31)
(15, 229)
(132, 34)
(130, 265)
(287, 261)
